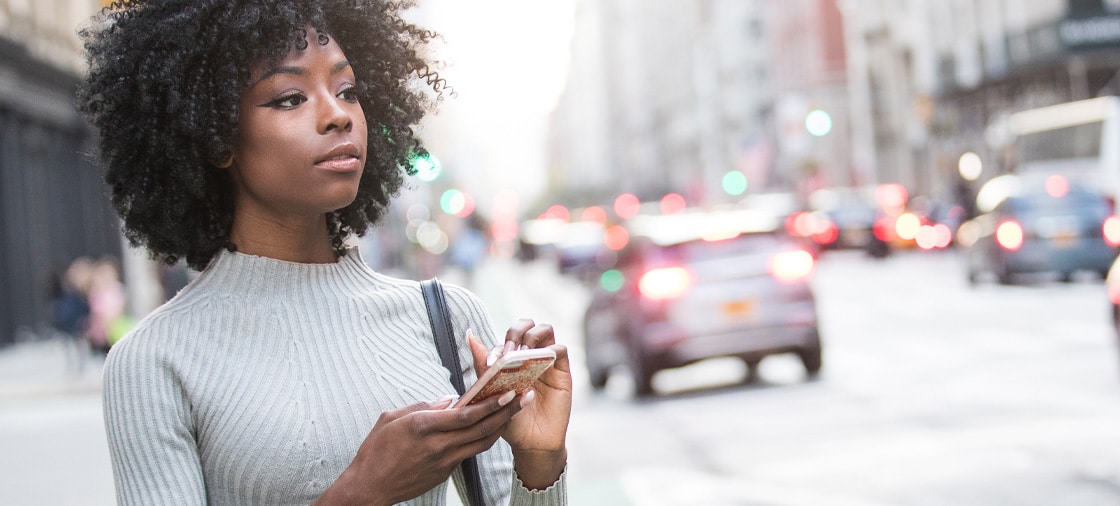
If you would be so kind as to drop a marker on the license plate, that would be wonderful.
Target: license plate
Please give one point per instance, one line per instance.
(855, 236)
(738, 309)
(1064, 239)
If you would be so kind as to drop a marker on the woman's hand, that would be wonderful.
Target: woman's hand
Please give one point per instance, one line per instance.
(413, 449)
(537, 435)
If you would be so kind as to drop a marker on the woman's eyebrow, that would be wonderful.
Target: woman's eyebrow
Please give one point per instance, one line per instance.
(339, 66)
(299, 71)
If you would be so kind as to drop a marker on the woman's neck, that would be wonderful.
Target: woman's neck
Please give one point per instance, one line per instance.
(303, 241)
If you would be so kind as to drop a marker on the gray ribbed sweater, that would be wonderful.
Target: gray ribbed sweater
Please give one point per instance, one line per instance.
(258, 382)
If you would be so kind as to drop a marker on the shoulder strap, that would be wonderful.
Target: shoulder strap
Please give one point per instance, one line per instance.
(443, 331)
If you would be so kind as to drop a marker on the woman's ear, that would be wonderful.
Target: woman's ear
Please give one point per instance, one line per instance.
(223, 163)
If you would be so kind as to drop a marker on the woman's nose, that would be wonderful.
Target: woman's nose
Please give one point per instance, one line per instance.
(334, 115)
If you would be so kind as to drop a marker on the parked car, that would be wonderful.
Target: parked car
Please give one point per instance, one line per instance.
(700, 285)
(1039, 225)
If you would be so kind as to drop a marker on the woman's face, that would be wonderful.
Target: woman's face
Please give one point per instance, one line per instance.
(301, 138)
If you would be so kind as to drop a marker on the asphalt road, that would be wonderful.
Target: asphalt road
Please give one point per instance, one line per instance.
(932, 393)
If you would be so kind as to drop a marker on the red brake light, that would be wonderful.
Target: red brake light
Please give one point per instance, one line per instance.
(1111, 231)
(1009, 235)
(665, 283)
(790, 266)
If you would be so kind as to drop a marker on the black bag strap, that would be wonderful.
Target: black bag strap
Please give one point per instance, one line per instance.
(444, 333)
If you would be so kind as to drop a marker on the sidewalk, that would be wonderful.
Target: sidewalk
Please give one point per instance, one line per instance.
(48, 367)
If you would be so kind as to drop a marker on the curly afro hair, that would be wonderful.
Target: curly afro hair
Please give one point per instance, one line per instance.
(162, 92)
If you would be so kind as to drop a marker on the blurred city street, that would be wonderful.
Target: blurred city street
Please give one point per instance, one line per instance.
(932, 393)
(930, 188)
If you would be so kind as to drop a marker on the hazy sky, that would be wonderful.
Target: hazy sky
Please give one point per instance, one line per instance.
(507, 61)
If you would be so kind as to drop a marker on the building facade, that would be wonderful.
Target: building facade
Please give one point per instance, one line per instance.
(930, 78)
(53, 204)
(671, 96)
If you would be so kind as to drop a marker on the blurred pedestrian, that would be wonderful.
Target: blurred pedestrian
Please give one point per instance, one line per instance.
(234, 135)
(70, 308)
(469, 248)
(106, 295)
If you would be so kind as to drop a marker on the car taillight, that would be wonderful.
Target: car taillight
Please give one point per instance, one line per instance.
(826, 232)
(1009, 235)
(882, 229)
(1111, 231)
(790, 266)
(667, 283)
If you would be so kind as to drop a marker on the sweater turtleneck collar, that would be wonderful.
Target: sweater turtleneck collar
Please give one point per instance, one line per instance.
(245, 273)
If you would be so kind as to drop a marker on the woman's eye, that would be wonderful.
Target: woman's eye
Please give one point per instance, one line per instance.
(288, 101)
(349, 94)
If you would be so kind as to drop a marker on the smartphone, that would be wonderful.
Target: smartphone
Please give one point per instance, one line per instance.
(516, 370)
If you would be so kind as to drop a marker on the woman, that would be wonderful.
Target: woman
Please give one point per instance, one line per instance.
(234, 135)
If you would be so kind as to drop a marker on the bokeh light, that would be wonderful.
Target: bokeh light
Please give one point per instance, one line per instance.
(734, 183)
(970, 166)
(627, 205)
(673, 203)
(594, 214)
(612, 280)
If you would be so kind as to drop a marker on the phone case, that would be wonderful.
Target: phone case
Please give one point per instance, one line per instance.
(516, 370)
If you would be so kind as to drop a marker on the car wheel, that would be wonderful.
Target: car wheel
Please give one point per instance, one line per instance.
(973, 277)
(641, 370)
(1116, 320)
(811, 355)
(598, 377)
(752, 370)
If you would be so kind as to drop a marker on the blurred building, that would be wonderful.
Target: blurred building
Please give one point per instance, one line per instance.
(670, 96)
(929, 77)
(53, 205)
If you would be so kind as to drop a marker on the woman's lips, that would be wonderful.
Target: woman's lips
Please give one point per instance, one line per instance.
(343, 163)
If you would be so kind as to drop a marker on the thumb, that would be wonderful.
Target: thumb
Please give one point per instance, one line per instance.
(478, 352)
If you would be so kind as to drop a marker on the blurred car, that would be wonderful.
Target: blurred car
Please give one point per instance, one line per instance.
(1039, 225)
(841, 218)
(580, 248)
(938, 224)
(1112, 286)
(700, 285)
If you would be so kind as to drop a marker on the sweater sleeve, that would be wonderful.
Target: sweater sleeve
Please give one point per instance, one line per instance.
(499, 482)
(147, 420)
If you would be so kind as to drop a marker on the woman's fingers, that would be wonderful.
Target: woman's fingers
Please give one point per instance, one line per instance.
(526, 333)
(539, 336)
(516, 334)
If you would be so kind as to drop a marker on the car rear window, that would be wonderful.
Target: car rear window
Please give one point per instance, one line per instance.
(1073, 202)
(701, 250)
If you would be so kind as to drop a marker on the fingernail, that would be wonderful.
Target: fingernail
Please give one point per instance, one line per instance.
(506, 398)
(523, 347)
(447, 401)
(491, 358)
(510, 346)
(527, 399)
